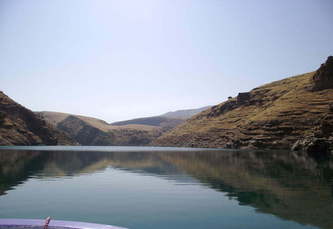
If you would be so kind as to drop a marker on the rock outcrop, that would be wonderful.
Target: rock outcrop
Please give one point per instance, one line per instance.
(275, 116)
(243, 97)
(20, 126)
(323, 78)
(319, 141)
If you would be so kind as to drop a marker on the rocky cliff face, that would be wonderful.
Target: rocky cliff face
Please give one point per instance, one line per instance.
(323, 78)
(20, 126)
(276, 115)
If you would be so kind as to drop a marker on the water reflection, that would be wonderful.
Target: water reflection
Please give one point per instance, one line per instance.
(292, 186)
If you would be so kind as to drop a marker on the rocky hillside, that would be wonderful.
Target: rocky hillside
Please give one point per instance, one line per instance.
(92, 131)
(296, 111)
(20, 126)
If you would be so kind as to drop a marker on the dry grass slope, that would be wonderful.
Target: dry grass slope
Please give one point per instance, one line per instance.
(275, 116)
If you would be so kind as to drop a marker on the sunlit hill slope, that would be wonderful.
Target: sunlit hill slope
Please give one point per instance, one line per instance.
(296, 111)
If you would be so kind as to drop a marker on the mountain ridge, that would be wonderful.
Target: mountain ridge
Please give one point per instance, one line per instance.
(276, 115)
(184, 113)
(92, 131)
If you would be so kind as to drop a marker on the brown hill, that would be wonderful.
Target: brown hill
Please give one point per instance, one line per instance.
(20, 126)
(92, 131)
(276, 115)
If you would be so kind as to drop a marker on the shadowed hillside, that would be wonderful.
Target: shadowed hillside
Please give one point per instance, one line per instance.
(91, 131)
(20, 126)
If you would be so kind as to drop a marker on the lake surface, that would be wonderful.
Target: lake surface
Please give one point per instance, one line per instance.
(147, 187)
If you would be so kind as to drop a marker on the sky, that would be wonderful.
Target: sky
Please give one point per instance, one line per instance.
(123, 59)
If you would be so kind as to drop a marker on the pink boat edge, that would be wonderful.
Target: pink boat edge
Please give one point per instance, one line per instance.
(53, 224)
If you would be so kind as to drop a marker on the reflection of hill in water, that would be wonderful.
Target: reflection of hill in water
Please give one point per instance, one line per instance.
(291, 186)
(18, 166)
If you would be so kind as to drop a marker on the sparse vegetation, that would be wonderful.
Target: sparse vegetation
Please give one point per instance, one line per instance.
(275, 116)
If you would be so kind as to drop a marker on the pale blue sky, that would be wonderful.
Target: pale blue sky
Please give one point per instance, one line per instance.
(121, 59)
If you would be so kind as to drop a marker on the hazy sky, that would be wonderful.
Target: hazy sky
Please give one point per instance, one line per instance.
(121, 59)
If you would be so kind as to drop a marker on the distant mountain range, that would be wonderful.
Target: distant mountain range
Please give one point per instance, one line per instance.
(160, 121)
(92, 131)
(167, 120)
(184, 114)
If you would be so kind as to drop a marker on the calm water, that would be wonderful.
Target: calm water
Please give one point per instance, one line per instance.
(142, 187)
